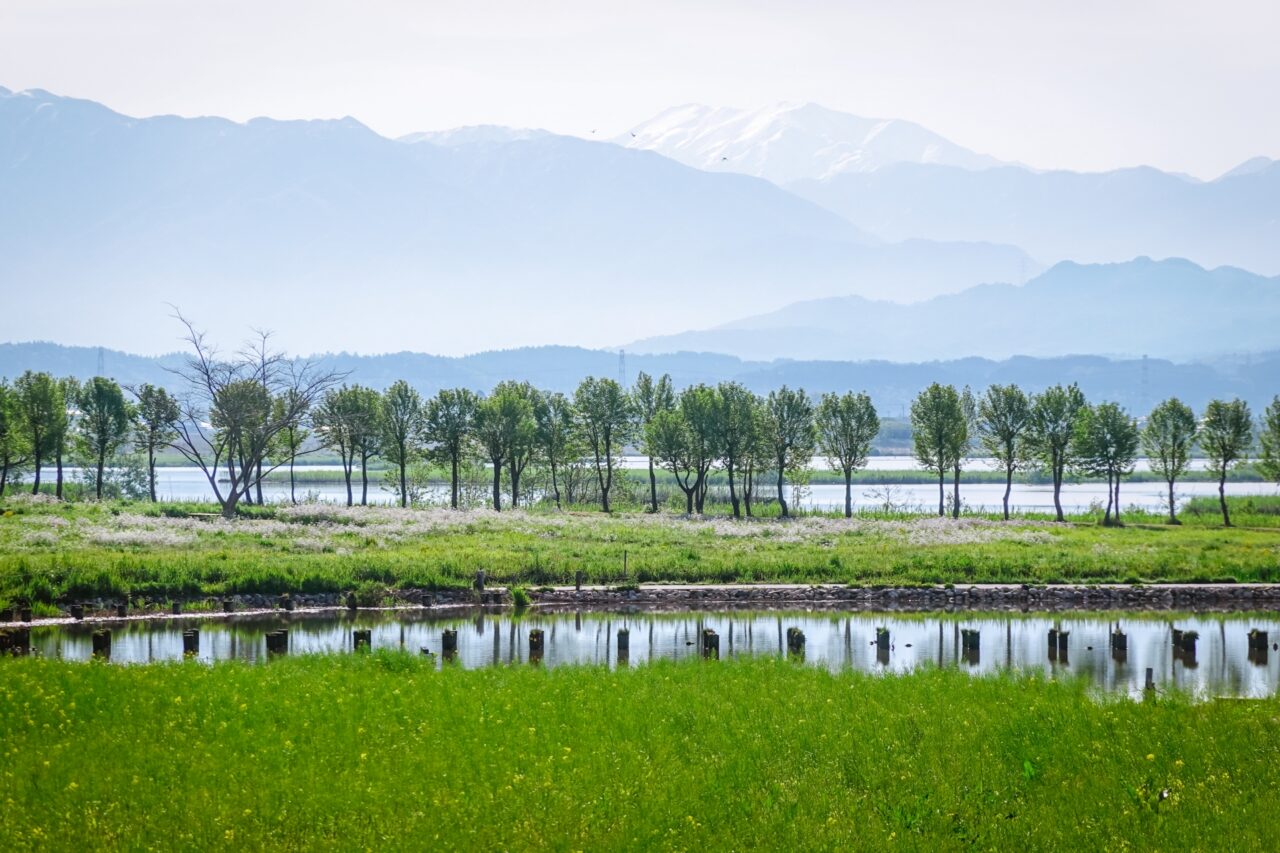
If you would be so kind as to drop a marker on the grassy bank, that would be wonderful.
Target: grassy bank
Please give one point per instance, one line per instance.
(51, 552)
(383, 752)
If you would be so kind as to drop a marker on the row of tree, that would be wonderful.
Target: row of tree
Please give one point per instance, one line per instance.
(245, 415)
(1059, 431)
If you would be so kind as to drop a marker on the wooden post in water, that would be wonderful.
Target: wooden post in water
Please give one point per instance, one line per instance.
(278, 642)
(8, 614)
(1258, 647)
(15, 641)
(122, 610)
(352, 603)
(969, 640)
(1150, 686)
(175, 607)
(1063, 648)
(624, 646)
(535, 646)
(1053, 644)
(1187, 645)
(449, 644)
(1119, 645)
(102, 644)
(24, 613)
(478, 584)
(190, 642)
(77, 611)
(361, 639)
(578, 578)
(795, 643)
(228, 605)
(710, 644)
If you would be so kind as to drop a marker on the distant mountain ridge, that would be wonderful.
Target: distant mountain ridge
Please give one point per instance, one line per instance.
(1170, 309)
(473, 240)
(1135, 383)
(790, 142)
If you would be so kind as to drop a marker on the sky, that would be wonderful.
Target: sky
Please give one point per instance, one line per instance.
(1182, 85)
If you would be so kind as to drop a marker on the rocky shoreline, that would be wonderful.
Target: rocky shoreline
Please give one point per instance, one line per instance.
(990, 597)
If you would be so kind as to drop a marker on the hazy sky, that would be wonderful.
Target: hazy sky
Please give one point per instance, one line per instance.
(1185, 85)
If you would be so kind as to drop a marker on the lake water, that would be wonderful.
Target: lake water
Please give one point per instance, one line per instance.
(1221, 665)
(189, 484)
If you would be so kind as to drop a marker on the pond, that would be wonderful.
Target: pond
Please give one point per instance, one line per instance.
(1222, 660)
(184, 483)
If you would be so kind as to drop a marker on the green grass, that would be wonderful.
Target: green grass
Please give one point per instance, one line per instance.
(381, 752)
(52, 552)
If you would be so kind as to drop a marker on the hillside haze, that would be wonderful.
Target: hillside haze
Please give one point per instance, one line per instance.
(339, 237)
(1171, 309)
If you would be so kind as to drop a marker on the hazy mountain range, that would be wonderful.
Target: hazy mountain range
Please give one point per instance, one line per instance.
(1136, 383)
(898, 180)
(337, 236)
(485, 237)
(1172, 308)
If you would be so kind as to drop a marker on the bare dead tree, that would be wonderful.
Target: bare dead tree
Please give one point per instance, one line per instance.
(235, 408)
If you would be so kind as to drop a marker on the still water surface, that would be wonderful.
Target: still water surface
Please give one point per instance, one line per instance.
(1222, 664)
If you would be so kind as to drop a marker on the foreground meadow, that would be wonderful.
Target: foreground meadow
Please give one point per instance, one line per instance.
(384, 751)
(56, 552)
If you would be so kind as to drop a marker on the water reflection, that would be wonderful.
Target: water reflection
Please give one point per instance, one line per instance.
(1209, 655)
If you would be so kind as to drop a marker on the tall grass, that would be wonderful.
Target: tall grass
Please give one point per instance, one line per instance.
(381, 751)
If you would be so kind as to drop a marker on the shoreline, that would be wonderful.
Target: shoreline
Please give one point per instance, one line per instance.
(765, 596)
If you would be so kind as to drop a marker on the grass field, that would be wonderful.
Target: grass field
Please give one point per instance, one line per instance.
(56, 552)
(383, 752)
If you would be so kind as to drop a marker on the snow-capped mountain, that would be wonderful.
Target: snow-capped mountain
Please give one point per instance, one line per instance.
(791, 142)
(478, 134)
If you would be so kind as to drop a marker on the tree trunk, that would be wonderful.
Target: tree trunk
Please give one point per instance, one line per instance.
(782, 481)
(1222, 496)
(4, 477)
(848, 493)
(102, 465)
(347, 465)
(1117, 498)
(749, 483)
(733, 494)
(1106, 516)
(955, 486)
(257, 482)
(151, 472)
(1008, 488)
(293, 496)
(515, 485)
(653, 487)
(453, 481)
(35, 483)
(364, 480)
(688, 500)
(1057, 490)
(404, 480)
(57, 458)
(1173, 515)
(942, 492)
(555, 483)
(497, 485)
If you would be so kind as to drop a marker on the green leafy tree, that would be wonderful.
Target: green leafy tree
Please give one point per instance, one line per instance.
(293, 436)
(736, 418)
(1226, 432)
(1167, 439)
(846, 425)
(42, 416)
(1004, 416)
(241, 411)
(604, 422)
(556, 436)
(1106, 445)
(64, 430)
(1268, 459)
(506, 430)
(347, 420)
(401, 420)
(15, 449)
(789, 432)
(699, 408)
(759, 456)
(1052, 427)
(649, 399)
(156, 415)
(104, 424)
(939, 431)
(523, 447)
(669, 440)
(450, 431)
